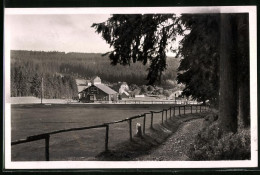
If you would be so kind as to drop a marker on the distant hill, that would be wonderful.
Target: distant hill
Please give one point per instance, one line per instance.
(30, 64)
(87, 65)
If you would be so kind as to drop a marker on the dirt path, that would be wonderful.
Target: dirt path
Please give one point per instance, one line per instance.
(176, 146)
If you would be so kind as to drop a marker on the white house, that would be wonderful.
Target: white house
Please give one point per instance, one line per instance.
(123, 90)
(96, 80)
(123, 87)
(175, 94)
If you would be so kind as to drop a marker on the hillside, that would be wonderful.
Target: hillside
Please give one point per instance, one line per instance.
(25, 65)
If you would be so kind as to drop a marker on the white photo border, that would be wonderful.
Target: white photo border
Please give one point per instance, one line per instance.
(8, 164)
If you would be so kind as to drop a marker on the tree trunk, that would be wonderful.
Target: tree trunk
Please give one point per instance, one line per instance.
(228, 91)
(244, 82)
(244, 104)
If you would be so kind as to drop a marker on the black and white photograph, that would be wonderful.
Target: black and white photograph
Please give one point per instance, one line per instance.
(161, 87)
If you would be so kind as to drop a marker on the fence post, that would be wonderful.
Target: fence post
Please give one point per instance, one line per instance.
(170, 112)
(191, 109)
(47, 145)
(144, 124)
(130, 129)
(106, 141)
(151, 119)
(174, 111)
(162, 116)
(166, 113)
(179, 110)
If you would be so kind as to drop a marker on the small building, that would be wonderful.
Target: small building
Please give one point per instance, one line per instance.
(81, 85)
(123, 87)
(136, 92)
(96, 80)
(124, 95)
(139, 96)
(88, 82)
(175, 94)
(97, 92)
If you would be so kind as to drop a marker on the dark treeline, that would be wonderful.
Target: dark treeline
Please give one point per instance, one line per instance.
(28, 69)
(60, 69)
(26, 81)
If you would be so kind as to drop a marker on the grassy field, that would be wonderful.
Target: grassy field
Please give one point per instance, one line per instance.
(32, 119)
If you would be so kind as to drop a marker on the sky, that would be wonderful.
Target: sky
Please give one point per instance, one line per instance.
(69, 30)
(67, 33)
(57, 32)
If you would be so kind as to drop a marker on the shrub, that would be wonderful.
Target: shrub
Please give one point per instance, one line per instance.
(212, 143)
(150, 88)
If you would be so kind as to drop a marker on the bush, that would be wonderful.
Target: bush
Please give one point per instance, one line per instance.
(150, 88)
(213, 144)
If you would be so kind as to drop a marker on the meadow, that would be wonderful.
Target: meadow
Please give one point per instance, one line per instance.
(32, 119)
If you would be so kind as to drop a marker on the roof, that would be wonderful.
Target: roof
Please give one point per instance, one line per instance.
(81, 88)
(126, 93)
(96, 78)
(105, 89)
(82, 82)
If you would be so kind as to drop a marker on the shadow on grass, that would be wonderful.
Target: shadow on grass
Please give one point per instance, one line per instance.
(153, 138)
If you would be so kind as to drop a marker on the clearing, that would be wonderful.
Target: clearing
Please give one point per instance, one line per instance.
(32, 119)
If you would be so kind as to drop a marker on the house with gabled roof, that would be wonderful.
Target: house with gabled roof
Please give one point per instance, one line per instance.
(124, 94)
(98, 92)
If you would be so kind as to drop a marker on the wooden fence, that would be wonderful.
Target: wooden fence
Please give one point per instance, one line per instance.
(177, 102)
(171, 110)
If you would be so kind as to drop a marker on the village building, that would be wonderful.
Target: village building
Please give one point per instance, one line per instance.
(136, 92)
(139, 96)
(81, 85)
(97, 92)
(124, 95)
(96, 80)
(123, 90)
(176, 94)
(123, 87)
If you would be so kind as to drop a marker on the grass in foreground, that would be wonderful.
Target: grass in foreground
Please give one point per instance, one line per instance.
(33, 119)
(212, 143)
(129, 150)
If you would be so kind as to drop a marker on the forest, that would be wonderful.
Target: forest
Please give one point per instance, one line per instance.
(214, 67)
(59, 71)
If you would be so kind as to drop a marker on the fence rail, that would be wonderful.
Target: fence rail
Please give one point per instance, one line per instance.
(177, 102)
(46, 136)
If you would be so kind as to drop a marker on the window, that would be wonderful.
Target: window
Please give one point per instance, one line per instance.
(93, 88)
